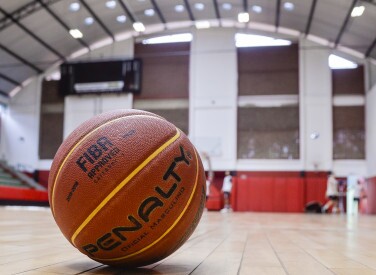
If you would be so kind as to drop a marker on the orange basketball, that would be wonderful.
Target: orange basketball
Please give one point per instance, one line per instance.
(127, 188)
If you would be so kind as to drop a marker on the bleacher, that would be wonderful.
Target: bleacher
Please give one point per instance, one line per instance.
(18, 189)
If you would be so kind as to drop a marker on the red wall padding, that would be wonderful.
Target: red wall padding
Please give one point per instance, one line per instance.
(371, 195)
(277, 191)
(14, 193)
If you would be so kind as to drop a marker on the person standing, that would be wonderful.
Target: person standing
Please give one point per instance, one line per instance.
(226, 189)
(331, 194)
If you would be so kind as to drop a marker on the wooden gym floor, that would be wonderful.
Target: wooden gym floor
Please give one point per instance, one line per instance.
(224, 243)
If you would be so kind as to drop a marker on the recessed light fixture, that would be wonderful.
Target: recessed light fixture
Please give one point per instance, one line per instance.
(257, 9)
(226, 6)
(121, 18)
(199, 6)
(89, 21)
(179, 8)
(111, 4)
(149, 12)
(288, 6)
(138, 26)
(76, 33)
(357, 11)
(202, 24)
(74, 6)
(243, 17)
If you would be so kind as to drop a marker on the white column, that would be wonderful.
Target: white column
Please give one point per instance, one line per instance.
(315, 106)
(213, 95)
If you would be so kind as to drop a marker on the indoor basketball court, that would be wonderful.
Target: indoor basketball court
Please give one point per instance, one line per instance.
(187, 137)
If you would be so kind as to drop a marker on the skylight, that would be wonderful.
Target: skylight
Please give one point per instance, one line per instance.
(336, 62)
(227, 6)
(288, 6)
(199, 6)
(174, 38)
(74, 6)
(257, 9)
(179, 8)
(121, 18)
(89, 21)
(149, 12)
(111, 4)
(250, 40)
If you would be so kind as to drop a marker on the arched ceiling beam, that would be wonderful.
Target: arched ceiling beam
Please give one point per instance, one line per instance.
(10, 80)
(345, 23)
(96, 17)
(127, 11)
(158, 11)
(310, 17)
(33, 35)
(277, 13)
(62, 23)
(189, 10)
(21, 59)
(370, 48)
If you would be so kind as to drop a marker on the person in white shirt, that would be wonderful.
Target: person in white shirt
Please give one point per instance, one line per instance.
(226, 189)
(358, 194)
(331, 194)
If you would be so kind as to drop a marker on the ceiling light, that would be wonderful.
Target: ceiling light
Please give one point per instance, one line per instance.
(336, 62)
(226, 6)
(199, 6)
(74, 6)
(174, 38)
(288, 6)
(257, 9)
(111, 4)
(243, 17)
(89, 21)
(149, 12)
(179, 8)
(357, 11)
(138, 27)
(202, 24)
(250, 40)
(76, 33)
(121, 18)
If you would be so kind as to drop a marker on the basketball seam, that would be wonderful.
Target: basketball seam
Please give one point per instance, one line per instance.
(168, 230)
(53, 187)
(122, 184)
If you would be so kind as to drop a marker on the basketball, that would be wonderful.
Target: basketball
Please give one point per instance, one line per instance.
(127, 188)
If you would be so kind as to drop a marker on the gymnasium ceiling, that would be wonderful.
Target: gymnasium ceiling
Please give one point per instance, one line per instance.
(34, 34)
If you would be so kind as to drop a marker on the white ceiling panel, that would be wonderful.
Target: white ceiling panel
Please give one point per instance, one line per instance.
(108, 16)
(208, 11)
(296, 18)
(13, 68)
(361, 30)
(76, 20)
(267, 15)
(24, 45)
(226, 13)
(62, 41)
(329, 17)
(167, 8)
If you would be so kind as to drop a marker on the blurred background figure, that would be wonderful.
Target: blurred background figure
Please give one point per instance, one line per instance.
(226, 189)
(331, 194)
(359, 193)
